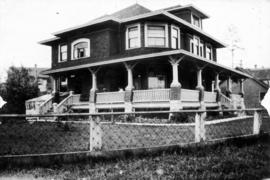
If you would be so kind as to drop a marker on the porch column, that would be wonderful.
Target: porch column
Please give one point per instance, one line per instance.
(128, 90)
(242, 93)
(175, 92)
(56, 89)
(229, 86)
(200, 88)
(218, 91)
(93, 90)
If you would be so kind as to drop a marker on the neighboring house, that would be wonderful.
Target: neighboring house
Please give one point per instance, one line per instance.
(44, 81)
(137, 59)
(255, 87)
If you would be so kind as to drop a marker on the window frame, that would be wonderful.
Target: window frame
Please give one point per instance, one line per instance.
(166, 45)
(60, 60)
(179, 36)
(211, 51)
(192, 20)
(138, 25)
(87, 52)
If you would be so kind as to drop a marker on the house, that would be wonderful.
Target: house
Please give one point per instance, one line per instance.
(44, 81)
(255, 87)
(137, 59)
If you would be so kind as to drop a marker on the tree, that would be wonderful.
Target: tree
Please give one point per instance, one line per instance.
(19, 87)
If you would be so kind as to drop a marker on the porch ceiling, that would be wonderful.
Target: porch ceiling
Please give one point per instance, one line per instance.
(178, 53)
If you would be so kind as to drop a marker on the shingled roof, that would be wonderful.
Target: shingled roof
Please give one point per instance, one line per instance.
(131, 11)
(261, 74)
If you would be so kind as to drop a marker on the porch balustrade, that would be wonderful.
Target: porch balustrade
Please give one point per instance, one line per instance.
(210, 97)
(110, 97)
(71, 99)
(152, 95)
(189, 95)
(46, 106)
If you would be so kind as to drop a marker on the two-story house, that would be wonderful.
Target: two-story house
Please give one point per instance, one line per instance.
(137, 59)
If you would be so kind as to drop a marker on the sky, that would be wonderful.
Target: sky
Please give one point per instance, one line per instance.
(23, 23)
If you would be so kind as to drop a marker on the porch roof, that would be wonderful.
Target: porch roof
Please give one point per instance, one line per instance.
(180, 52)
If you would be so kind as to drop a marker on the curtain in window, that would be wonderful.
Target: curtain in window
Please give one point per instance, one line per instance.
(156, 35)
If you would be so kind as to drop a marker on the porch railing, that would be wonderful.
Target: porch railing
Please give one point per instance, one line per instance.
(71, 99)
(189, 95)
(210, 97)
(152, 95)
(225, 101)
(236, 99)
(110, 97)
(46, 106)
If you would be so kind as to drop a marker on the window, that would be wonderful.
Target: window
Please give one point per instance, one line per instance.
(209, 52)
(197, 46)
(80, 48)
(133, 36)
(196, 21)
(62, 53)
(156, 35)
(202, 49)
(175, 37)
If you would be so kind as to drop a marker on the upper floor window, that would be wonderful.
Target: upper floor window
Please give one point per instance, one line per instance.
(62, 53)
(80, 48)
(209, 51)
(156, 35)
(197, 46)
(133, 36)
(175, 37)
(196, 42)
(196, 21)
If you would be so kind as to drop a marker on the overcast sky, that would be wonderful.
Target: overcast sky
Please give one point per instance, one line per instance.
(25, 22)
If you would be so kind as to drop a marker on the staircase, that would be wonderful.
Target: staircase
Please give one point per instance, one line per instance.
(226, 102)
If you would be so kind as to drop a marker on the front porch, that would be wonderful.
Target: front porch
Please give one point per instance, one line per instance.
(161, 83)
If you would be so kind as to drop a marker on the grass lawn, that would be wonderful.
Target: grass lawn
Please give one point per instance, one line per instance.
(238, 159)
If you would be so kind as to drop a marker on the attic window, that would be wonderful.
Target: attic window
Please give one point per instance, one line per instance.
(196, 21)
(80, 48)
(133, 36)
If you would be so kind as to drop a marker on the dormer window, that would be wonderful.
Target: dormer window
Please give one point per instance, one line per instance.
(156, 35)
(175, 37)
(62, 53)
(80, 48)
(133, 36)
(196, 21)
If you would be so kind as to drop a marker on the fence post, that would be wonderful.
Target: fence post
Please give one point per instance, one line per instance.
(257, 121)
(95, 134)
(200, 127)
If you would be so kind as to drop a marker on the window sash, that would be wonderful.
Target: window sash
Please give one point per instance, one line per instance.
(133, 37)
(175, 38)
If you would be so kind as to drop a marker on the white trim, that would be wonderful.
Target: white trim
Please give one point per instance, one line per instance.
(156, 24)
(77, 41)
(59, 52)
(139, 35)
(179, 36)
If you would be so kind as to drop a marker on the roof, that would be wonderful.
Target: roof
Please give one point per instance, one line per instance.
(136, 12)
(37, 72)
(248, 71)
(149, 56)
(261, 74)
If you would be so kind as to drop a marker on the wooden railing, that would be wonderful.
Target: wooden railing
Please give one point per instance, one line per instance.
(224, 100)
(46, 106)
(236, 99)
(152, 95)
(71, 99)
(210, 97)
(189, 95)
(110, 97)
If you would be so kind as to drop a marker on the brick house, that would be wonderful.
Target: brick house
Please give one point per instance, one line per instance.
(137, 59)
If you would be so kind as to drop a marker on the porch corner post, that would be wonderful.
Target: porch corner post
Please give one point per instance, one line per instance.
(129, 88)
(200, 88)
(218, 91)
(56, 88)
(229, 86)
(242, 93)
(175, 87)
(92, 94)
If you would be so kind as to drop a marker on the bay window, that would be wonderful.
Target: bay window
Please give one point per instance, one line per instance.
(156, 35)
(133, 36)
(175, 37)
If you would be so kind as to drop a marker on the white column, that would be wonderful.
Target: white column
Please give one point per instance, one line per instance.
(94, 81)
(175, 79)
(229, 84)
(199, 79)
(217, 88)
(241, 86)
(129, 68)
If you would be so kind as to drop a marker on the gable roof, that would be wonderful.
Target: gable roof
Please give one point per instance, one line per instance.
(261, 74)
